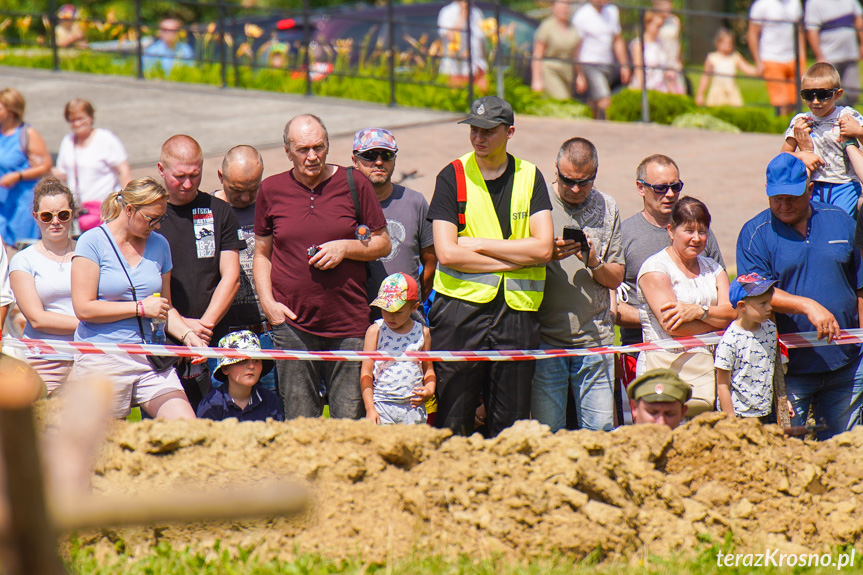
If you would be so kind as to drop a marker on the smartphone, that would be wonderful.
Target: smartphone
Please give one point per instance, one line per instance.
(575, 233)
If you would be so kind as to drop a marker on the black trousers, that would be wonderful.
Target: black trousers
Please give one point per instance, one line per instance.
(503, 386)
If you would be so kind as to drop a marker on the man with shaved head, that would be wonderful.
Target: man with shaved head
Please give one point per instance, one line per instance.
(205, 242)
(240, 174)
(314, 233)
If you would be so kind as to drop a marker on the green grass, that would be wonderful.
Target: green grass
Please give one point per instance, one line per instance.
(218, 561)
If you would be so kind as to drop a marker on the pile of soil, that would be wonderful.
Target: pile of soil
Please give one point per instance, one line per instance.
(383, 492)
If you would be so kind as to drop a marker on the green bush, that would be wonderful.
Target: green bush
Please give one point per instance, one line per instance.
(626, 106)
(748, 119)
(704, 121)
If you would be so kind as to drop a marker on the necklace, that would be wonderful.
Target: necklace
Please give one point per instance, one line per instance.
(51, 254)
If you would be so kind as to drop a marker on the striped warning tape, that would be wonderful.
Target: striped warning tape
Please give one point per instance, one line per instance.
(50, 347)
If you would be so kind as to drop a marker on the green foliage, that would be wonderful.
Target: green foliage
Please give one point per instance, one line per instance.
(704, 121)
(664, 108)
(749, 119)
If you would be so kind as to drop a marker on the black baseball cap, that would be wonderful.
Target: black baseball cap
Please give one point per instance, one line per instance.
(489, 112)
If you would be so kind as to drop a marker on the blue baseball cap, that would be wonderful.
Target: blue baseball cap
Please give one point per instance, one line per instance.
(749, 285)
(786, 176)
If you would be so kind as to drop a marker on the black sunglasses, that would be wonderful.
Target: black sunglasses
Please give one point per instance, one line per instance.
(571, 183)
(822, 94)
(151, 221)
(676, 187)
(48, 217)
(372, 155)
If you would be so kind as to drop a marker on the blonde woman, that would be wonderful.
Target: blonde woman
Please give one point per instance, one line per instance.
(41, 278)
(24, 158)
(116, 270)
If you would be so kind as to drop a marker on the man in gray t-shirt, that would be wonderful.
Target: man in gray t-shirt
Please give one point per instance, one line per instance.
(374, 154)
(575, 310)
(645, 234)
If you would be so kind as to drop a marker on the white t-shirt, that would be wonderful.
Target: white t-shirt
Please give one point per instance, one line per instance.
(749, 356)
(835, 19)
(825, 141)
(597, 31)
(94, 177)
(53, 286)
(699, 290)
(777, 19)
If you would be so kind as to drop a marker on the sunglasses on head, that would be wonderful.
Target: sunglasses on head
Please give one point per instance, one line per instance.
(810, 94)
(676, 187)
(153, 222)
(48, 217)
(372, 155)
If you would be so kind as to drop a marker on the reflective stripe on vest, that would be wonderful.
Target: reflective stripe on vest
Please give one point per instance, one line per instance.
(523, 288)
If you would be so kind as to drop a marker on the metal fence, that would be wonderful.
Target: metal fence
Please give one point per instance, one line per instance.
(393, 44)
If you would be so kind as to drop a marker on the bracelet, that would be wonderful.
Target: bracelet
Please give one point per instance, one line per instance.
(183, 339)
(851, 142)
(20, 176)
(139, 309)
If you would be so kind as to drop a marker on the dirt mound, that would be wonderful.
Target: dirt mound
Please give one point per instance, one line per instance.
(385, 491)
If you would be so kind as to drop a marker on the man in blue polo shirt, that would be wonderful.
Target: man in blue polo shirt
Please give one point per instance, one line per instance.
(808, 247)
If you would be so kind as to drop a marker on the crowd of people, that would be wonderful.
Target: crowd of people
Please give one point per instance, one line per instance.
(581, 52)
(326, 257)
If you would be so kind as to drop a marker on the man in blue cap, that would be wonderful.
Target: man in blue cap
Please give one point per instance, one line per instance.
(808, 247)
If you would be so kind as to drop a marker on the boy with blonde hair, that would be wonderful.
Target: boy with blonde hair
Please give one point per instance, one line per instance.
(826, 139)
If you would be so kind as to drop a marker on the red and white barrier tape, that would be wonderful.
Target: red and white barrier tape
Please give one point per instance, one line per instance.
(51, 347)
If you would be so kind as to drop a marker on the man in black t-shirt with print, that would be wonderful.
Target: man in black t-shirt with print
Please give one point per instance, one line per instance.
(205, 242)
(493, 235)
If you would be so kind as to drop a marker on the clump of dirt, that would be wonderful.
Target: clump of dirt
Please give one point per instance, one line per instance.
(384, 492)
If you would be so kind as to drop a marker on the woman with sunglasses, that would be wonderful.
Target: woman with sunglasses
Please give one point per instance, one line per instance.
(92, 161)
(682, 293)
(117, 269)
(41, 279)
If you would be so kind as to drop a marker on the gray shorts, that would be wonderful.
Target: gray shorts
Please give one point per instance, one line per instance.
(599, 79)
(392, 413)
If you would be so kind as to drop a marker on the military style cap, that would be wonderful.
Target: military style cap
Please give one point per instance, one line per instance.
(489, 112)
(659, 385)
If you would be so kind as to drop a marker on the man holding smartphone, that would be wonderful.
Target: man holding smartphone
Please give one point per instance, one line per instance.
(575, 313)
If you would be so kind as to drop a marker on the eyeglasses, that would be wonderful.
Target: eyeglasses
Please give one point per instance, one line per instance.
(822, 94)
(151, 221)
(372, 155)
(48, 217)
(571, 183)
(676, 187)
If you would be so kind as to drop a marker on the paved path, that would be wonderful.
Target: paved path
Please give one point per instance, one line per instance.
(724, 170)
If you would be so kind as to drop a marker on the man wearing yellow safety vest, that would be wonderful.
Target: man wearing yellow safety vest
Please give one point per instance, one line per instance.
(491, 217)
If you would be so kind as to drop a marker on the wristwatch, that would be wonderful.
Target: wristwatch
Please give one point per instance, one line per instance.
(851, 142)
(706, 309)
(598, 257)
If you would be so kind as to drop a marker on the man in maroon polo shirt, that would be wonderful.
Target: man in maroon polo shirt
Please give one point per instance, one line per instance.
(309, 268)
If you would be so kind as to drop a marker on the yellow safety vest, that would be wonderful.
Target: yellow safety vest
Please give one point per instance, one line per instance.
(523, 288)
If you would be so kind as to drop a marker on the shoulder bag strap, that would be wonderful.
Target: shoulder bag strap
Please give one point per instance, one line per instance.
(352, 186)
(131, 285)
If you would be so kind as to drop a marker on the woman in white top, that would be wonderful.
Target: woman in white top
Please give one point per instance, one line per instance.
(92, 161)
(42, 282)
(659, 69)
(681, 292)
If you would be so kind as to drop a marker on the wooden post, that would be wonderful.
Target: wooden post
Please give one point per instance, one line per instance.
(780, 398)
(29, 544)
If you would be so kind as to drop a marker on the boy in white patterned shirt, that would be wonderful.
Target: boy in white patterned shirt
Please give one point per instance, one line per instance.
(397, 391)
(746, 353)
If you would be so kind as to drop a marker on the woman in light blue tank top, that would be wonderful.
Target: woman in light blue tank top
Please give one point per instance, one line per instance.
(23, 160)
